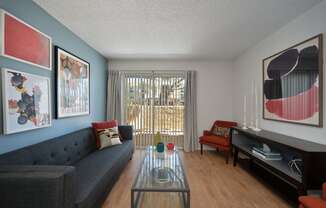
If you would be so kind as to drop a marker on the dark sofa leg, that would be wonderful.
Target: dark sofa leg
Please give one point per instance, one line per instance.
(201, 149)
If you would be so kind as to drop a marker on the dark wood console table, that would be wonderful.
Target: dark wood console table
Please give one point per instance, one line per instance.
(313, 156)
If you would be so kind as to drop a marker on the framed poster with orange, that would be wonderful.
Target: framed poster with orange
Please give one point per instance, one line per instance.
(72, 84)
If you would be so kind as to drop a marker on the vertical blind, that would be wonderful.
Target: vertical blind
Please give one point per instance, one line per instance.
(154, 102)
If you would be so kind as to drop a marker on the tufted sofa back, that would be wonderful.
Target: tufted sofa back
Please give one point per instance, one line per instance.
(62, 150)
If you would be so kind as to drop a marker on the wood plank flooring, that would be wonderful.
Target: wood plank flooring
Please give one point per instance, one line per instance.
(213, 184)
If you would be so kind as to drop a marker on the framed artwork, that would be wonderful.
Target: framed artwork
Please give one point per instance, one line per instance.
(26, 101)
(23, 42)
(73, 81)
(293, 84)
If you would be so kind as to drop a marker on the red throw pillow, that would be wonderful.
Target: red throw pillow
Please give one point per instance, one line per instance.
(102, 125)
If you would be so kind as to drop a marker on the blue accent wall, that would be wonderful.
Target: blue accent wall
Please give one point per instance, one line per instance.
(34, 15)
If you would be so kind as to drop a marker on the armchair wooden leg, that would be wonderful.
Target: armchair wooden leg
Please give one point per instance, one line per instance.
(235, 157)
(227, 155)
(201, 149)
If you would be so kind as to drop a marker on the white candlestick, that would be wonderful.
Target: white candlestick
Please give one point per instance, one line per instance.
(256, 128)
(244, 104)
(256, 102)
(252, 110)
(244, 126)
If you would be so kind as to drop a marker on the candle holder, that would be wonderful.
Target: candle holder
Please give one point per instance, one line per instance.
(256, 126)
(256, 129)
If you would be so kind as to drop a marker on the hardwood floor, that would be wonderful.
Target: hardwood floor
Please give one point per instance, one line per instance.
(212, 184)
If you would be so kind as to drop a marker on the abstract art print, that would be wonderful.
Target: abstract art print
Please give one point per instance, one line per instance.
(293, 84)
(21, 41)
(73, 80)
(26, 101)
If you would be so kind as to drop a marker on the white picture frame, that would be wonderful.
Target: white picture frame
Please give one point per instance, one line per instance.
(3, 53)
(26, 101)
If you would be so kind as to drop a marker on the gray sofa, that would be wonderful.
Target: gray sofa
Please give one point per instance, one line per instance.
(64, 172)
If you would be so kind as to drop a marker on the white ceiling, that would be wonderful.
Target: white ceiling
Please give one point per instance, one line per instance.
(187, 29)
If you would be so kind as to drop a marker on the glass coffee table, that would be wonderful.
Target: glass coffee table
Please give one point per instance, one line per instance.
(161, 181)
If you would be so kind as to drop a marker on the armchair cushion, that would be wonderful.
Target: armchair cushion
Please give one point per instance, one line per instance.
(207, 133)
(312, 202)
(217, 140)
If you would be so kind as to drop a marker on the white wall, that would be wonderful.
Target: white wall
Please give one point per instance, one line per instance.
(214, 85)
(248, 67)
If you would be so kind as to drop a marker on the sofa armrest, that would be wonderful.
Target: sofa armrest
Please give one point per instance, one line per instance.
(126, 132)
(37, 186)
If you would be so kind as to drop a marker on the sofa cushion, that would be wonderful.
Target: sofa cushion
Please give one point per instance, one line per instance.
(99, 169)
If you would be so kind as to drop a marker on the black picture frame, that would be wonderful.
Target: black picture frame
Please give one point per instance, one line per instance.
(58, 51)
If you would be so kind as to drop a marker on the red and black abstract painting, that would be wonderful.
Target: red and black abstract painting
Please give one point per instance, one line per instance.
(292, 85)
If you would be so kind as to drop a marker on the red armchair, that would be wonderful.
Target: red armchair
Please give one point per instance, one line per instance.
(219, 142)
(313, 202)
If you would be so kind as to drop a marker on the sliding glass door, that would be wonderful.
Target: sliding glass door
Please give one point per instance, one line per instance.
(154, 102)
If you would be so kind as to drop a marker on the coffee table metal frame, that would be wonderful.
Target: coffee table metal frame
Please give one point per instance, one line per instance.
(137, 192)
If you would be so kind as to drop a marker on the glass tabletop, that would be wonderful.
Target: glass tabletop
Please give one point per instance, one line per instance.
(161, 172)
